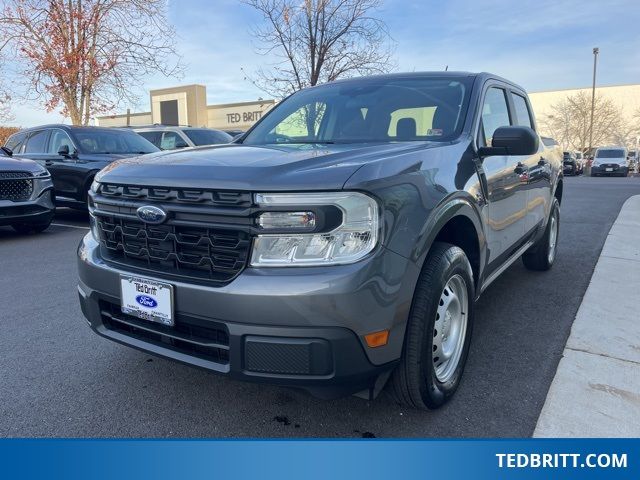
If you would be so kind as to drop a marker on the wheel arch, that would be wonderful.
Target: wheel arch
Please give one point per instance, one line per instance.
(457, 222)
(559, 190)
(91, 175)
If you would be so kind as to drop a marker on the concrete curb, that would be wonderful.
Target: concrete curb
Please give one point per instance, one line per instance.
(596, 390)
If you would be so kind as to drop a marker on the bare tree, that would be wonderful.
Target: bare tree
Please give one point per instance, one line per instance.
(5, 106)
(5, 98)
(317, 41)
(88, 55)
(569, 121)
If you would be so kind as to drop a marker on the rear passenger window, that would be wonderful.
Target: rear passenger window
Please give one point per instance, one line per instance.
(15, 141)
(170, 140)
(523, 117)
(153, 137)
(37, 142)
(495, 113)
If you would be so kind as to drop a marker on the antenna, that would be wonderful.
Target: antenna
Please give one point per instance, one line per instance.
(446, 68)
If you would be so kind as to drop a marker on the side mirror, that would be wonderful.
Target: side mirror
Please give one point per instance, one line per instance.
(7, 150)
(514, 140)
(63, 151)
(181, 144)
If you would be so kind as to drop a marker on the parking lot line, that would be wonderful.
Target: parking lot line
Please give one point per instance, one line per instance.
(70, 226)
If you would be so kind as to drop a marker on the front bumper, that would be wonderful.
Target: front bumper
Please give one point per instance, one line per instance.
(612, 170)
(35, 211)
(297, 327)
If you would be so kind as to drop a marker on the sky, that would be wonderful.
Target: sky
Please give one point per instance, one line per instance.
(541, 44)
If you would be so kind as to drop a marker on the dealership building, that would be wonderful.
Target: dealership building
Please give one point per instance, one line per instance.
(625, 97)
(187, 105)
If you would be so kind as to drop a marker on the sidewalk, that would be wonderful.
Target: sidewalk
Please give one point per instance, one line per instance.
(596, 390)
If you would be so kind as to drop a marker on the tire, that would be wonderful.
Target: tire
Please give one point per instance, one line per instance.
(421, 380)
(542, 255)
(26, 228)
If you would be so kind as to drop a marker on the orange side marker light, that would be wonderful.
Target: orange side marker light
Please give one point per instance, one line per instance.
(377, 339)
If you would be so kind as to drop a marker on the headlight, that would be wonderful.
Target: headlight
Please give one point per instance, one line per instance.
(94, 186)
(350, 241)
(43, 174)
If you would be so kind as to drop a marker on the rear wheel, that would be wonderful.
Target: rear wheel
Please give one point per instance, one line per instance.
(542, 254)
(438, 331)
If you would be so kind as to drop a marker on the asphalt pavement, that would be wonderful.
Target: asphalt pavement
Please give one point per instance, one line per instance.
(57, 378)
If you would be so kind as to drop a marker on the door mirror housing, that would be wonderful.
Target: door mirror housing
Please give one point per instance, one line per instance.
(64, 151)
(181, 144)
(513, 140)
(8, 151)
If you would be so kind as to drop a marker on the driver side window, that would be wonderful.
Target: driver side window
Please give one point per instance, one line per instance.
(58, 140)
(495, 114)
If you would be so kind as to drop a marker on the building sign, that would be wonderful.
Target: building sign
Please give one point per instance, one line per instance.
(237, 115)
(244, 117)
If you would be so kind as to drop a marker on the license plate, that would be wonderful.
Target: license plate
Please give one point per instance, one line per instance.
(147, 299)
(609, 170)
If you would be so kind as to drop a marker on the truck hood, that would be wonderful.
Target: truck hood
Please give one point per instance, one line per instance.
(20, 164)
(107, 157)
(240, 167)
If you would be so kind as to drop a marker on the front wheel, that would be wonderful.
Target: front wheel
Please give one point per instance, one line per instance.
(542, 254)
(438, 331)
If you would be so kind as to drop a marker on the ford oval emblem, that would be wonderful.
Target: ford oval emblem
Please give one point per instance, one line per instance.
(146, 301)
(151, 214)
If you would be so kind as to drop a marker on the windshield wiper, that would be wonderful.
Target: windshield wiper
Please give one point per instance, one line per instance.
(306, 142)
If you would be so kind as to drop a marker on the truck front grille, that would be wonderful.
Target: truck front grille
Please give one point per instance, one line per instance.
(201, 239)
(15, 186)
(202, 339)
(177, 195)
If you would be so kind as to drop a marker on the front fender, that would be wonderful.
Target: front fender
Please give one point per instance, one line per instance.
(459, 204)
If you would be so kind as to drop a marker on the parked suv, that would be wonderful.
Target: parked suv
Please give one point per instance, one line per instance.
(75, 154)
(339, 244)
(610, 161)
(26, 194)
(171, 138)
(571, 165)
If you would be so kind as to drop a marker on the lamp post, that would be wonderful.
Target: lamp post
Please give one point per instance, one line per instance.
(596, 50)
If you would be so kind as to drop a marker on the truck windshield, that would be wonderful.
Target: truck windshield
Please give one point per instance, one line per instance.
(610, 153)
(104, 141)
(405, 109)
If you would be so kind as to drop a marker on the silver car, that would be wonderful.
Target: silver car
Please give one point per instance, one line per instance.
(171, 138)
(610, 161)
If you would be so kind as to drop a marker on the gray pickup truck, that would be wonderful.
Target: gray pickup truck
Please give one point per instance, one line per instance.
(338, 246)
